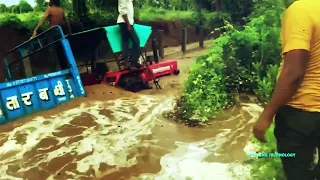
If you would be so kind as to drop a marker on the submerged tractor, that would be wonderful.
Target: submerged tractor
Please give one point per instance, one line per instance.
(43, 72)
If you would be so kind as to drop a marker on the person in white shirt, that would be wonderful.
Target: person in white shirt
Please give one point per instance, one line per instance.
(126, 21)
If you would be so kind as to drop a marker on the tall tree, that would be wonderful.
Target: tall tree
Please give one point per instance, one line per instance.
(41, 5)
(79, 8)
(3, 8)
(24, 6)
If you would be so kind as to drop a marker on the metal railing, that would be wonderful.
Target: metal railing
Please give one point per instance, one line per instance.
(25, 44)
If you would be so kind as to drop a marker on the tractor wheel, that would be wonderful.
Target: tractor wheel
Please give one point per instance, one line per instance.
(176, 72)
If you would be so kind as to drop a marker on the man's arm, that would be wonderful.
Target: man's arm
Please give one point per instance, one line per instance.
(123, 10)
(46, 14)
(296, 32)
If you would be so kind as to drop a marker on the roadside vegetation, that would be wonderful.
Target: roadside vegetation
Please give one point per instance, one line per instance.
(244, 59)
(96, 13)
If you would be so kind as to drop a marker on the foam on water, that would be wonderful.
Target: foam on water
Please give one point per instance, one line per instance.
(110, 142)
(114, 140)
(187, 161)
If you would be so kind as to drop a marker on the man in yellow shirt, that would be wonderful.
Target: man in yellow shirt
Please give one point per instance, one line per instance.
(296, 99)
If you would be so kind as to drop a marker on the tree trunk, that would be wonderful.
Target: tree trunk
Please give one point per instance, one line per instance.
(79, 7)
(218, 5)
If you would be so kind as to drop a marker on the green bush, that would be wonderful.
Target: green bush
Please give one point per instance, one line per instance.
(31, 20)
(243, 60)
(250, 56)
(149, 14)
(208, 70)
(12, 21)
(103, 17)
(22, 21)
(266, 168)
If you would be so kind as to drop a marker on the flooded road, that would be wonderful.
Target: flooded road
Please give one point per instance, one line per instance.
(115, 135)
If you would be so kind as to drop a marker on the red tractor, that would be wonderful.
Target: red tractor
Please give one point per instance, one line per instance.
(133, 80)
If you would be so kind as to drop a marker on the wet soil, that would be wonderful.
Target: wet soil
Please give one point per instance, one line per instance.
(113, 134)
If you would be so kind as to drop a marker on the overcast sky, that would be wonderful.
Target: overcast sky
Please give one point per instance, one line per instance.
(15, 2)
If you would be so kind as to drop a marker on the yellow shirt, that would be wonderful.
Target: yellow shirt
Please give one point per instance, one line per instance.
(301, 30)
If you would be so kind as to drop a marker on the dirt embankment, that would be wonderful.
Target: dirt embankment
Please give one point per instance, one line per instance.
(10, 38)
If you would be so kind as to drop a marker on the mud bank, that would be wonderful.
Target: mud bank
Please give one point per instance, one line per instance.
(9, 38)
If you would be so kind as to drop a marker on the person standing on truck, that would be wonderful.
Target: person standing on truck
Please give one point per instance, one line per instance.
(55, 16)
(126, 21)
(295, 102)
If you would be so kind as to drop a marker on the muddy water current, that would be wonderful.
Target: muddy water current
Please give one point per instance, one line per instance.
(125, 139)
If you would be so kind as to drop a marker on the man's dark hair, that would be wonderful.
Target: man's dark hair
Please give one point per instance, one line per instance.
(54, 3)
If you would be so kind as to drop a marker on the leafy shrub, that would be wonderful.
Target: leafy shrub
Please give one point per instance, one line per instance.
(266, 84)
(150, 13)
(244, 59)
(215, 20)
(266, 168)
(209, 20)
(103, 17)
(22, 21)
(30, 21)
(250, 56)
(208, 70)
(11, 21)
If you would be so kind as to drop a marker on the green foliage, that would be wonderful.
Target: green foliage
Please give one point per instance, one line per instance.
(103, 18)
(15, 9)
(209, 20)
(11, 21)
(150, 13)
(208, 70)
(3, 8)
(41, 5)
(24, 7)
(30, 20)
(266, 84)
(266, 168)
(244, 59)
(250, 55)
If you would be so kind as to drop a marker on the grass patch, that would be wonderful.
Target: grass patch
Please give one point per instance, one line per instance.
(150, 14)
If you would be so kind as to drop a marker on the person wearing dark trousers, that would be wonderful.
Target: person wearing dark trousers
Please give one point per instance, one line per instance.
(126, 21)
(295, 102)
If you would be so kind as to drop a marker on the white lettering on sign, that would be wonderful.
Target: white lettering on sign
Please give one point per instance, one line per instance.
(52, 74)
(26, 98)
(161, 69)
(43, 94)
(58, 89)
(80, 84)
(69, 88)
(12, 103)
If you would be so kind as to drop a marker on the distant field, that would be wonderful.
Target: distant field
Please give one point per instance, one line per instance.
(145, 15)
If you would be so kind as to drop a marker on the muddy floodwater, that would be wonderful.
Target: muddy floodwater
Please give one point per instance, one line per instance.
(115, 135)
